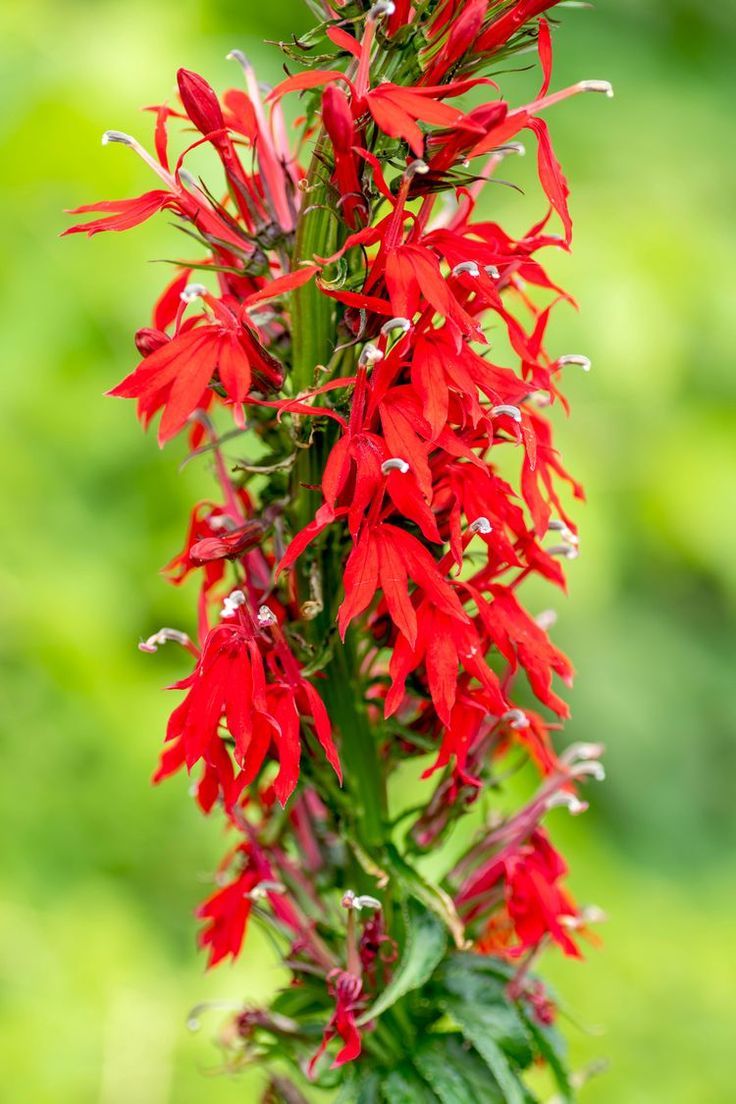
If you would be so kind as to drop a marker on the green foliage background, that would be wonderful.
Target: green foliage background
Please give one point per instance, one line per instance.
(100, 874)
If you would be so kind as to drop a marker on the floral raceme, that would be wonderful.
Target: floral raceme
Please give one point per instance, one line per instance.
(359, 350)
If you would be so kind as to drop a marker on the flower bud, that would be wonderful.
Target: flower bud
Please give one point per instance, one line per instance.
(200, 102)
(148, 340)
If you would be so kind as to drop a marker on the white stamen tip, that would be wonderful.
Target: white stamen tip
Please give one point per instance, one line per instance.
(546, 619)
(382, 8)
(164, 636)
(481, 525)
(584, 752)
(239, 56)
(492, 271)
(365, 901)
(517, 718)
(117, 136)
(417, 166)
(266, 617)
(466, 268)
(510, 411)
(394, 463)
(597, 86)
(371, 355)
(568, 801)
(590, 769)
(232, 603)
(402, 324)
(192, 292)
(566, 551)
(258, 892)
(575, 358)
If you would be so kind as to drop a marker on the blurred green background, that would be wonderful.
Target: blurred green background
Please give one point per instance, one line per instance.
(100, 873)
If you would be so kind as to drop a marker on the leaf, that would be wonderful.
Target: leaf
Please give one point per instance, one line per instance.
(455, 1072)
(425, 946)
(433, 897)
(479, 1026)
(549, 1045)
(477, 979)
(405, 1086)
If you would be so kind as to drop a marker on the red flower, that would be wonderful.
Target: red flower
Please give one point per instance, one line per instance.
(535, 903)
(346, 989)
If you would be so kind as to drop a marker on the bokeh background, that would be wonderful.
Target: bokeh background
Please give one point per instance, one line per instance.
(99, 872)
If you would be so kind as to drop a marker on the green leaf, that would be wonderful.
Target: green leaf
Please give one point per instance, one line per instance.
(482, 1027)
(455, 1072)
(362, 1088)
(425, 946)
(405, 1086)
(551, 1048)
(474, 978)
(431, 896)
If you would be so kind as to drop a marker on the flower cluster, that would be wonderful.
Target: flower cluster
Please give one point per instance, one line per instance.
(385, 487)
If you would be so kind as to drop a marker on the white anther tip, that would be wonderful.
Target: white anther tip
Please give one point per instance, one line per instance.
(381, 9)
(466, 268)
(575, 358)
(117, 136)
(402, 324)
(192, 292)
(512, 412)
(394, 463)
(417, 166)
(603, 86)
(481, 525)
(371, 354)
(266, 617)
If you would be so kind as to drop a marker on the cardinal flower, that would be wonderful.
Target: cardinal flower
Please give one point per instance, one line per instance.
(347, 989)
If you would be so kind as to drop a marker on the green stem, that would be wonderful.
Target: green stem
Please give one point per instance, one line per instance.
(313, 332)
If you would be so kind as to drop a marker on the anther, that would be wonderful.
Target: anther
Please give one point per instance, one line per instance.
(492, 271)
(265, 617)
(566, 551)
(192, 292)
(546, 619)
(481, 525)
(466, 268)
(258, 892)
(568, 801)
(351, 901)
(232, 603)
(597, 86)
(575, 358)
(394, 463)
(402, 324)
(381, 9)
(414, 167)
(505, 408)
(164, 636)
(371, 354)
(517, 718)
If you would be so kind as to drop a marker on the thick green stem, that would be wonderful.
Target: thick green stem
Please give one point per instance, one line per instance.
(313, 340)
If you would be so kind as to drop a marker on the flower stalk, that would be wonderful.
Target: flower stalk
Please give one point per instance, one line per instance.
(330, 352)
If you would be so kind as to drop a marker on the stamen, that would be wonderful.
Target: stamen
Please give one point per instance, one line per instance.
(466, 268)
(546, 619)
(603, 86)
(582, 751)
(481, 525)
(517, 718)
(239, 56)
(394, 463)
(415, 167)
(569, 801)
(164, 636)
(258, 892)
(492, 271)
(402, 324)
(352, 902)
(192, 292)
(590, 769)
(371, 354)
(266, 617)
(112, 136)
(575, 358)
(232, 603)
(566, 551)
(382, 8)
(510, 411)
